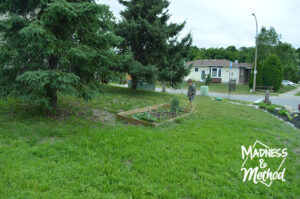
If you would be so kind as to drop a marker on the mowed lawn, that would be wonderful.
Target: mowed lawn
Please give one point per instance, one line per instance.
(85, 153)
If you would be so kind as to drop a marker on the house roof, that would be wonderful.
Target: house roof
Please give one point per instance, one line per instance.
(217, 62)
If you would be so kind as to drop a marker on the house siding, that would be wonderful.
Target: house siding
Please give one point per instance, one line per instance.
(206, 65)
(196, 76)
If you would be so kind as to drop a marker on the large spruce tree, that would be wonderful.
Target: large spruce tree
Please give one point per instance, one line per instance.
(156, 51)
(54, 45)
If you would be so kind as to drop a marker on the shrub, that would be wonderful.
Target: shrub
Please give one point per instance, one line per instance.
(262, 106)
(271, 108)
(207, 79)
(174, 105)
(283, 112)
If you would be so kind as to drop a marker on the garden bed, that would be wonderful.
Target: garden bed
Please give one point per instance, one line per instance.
(282, 112)
(154, 115)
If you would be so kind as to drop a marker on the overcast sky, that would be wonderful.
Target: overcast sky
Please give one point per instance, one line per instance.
(221, 23)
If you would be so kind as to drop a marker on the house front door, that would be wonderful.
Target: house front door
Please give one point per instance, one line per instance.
(202, 75)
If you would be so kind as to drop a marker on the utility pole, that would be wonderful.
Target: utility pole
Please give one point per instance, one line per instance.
(255, 67)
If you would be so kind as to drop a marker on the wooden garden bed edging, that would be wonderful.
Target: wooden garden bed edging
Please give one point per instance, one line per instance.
(126, 116)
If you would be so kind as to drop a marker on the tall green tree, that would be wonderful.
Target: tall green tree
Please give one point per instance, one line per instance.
(54, 45)
(266, 42)
(151, 38)
(272, 72)
(288, 58)
(173, 69)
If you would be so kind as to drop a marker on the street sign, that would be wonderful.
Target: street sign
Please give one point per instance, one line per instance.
(230, 65)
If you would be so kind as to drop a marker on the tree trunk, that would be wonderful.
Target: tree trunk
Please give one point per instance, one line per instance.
(53, 99)
(134, 84)
(164, 87)
(53, 63)
(52, 93)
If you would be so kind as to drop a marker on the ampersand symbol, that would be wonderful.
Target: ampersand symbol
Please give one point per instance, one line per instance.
(262, 164)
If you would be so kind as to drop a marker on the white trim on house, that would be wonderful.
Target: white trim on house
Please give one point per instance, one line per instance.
(216, 72)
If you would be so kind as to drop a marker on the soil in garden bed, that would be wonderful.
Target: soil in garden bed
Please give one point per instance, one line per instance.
(159, 115)
(295, 121)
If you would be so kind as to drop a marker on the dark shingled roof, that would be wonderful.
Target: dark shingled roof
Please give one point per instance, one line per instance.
(217, 62)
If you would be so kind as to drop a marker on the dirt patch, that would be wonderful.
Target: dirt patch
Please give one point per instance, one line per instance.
(128, 163)
(51, 140)
(103, 116)
(296, 150)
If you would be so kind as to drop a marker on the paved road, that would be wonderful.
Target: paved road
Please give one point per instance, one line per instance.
(286, 99)
(250, 98)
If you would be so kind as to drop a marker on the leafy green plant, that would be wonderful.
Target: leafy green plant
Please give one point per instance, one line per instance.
(146, 116)
(207, 79)
(175, 105)
(262, 106)
(289, 116)
(271, 108)
(283, 112)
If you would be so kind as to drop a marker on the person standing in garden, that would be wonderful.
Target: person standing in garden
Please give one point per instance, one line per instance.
(191, 92)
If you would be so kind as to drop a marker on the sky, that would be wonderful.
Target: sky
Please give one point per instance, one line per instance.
(221, 23)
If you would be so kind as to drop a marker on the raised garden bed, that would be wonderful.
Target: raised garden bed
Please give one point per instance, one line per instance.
(154, 115)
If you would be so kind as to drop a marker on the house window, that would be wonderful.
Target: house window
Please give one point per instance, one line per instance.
(196, 69)
(216, 72)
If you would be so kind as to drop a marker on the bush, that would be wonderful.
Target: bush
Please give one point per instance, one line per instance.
(208, 80)
(271, 108)
(272, 72)
(262, 106)
(175, 105)
(283, 112)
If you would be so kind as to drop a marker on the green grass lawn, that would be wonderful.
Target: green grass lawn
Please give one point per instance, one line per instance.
(297, 94)
(85, 153)
(240, 88)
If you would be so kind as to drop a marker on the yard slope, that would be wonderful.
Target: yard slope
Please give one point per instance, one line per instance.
(86, 153)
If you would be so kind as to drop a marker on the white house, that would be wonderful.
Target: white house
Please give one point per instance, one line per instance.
(219, 70)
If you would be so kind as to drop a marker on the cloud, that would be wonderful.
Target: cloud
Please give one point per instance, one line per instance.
(220, 23)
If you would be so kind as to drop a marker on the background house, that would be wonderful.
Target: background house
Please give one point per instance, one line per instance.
(219, 70)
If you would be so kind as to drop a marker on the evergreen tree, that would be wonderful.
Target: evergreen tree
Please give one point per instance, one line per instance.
(151, 40)
(54, 45)
(273, 72)
(173, 69)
